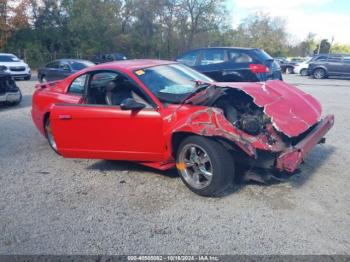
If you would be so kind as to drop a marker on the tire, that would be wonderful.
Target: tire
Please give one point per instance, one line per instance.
(49, 135)
(319, 73)
(289, 70)
(210, 167)
(43, 79)
(303, 72)
(17, 102)
(27, 78)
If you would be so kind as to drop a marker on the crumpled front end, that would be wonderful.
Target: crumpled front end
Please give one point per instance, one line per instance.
(274, 123)
(290, 159)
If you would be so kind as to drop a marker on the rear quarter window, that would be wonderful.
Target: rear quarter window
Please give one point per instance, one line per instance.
(212, 56)
(261, 54)
(239, 57)
(334, 59)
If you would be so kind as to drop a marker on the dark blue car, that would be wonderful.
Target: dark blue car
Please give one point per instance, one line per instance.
(61, 68)
(233, 64)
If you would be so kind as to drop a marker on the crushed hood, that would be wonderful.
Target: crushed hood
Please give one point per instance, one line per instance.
(291, 110)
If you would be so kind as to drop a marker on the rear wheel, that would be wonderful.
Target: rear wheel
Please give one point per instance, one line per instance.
(49, 135)
(303, 72)
(319, 73)
(205, 166)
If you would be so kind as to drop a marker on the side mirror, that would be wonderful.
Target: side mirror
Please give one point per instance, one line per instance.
(131, 104)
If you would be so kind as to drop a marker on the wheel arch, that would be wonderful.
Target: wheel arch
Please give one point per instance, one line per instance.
(231, 146)
(45, 117)
(320, 67)
(211, 123)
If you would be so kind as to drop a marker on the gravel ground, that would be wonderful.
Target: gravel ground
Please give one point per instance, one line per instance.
(52, 205)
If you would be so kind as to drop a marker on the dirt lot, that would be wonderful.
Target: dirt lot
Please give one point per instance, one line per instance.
(52, 205)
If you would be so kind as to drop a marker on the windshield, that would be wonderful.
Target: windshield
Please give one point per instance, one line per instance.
(80, 65)
(171, 83)
(9, 58)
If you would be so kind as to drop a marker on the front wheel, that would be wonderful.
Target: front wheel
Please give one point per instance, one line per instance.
(205, 166)
(319, 73)
(303, 72)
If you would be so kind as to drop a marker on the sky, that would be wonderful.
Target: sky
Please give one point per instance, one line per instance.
(325, 18)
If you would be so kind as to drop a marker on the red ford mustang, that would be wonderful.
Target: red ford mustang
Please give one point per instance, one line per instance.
(163, 114)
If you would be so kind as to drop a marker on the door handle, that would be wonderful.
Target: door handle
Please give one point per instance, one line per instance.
(65, 117)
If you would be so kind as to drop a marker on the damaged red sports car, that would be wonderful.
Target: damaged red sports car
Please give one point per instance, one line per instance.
(164, 115)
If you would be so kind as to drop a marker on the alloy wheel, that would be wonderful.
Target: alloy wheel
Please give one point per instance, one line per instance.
(319, 74)
(198, 169)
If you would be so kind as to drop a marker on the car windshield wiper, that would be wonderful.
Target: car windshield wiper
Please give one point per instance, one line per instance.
(200, 87)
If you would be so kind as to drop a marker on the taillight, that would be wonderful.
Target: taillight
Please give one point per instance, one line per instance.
(258, 68)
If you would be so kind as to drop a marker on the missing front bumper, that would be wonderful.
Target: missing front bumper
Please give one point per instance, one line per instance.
(290, 159)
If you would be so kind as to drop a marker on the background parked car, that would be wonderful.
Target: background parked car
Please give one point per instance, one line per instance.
(302, 68)
(59, 69)
(288, 65)
(330, 65)
(14, 66)
(233, 64)
(104, 58)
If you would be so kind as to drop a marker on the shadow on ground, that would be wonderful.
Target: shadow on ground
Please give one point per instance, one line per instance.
(114, 165)
(314, 162)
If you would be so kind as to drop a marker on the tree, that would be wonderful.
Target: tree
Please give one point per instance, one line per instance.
(340, 48)
(13, 17)
(262, 31)
(200, 16)
(323, 47)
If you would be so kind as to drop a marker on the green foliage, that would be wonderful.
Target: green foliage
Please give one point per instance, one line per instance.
(262, 31)
(138, 28)
(339, 48)
(323, 47)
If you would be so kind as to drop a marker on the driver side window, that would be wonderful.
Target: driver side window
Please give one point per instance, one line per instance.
(111, 88)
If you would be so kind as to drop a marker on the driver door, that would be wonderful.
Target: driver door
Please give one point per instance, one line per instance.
(107, 132)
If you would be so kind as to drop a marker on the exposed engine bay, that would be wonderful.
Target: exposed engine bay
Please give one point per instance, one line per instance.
(241, 111)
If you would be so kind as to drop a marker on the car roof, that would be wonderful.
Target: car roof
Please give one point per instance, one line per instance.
(70, 60)
(134, 64)
(225, 47)
(331, 54)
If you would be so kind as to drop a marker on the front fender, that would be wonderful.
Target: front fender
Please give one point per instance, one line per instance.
(211, 122)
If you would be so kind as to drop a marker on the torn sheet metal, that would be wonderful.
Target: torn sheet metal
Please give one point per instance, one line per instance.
(291, 110)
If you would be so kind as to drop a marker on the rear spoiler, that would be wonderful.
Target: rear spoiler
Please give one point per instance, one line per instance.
(45, 85)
